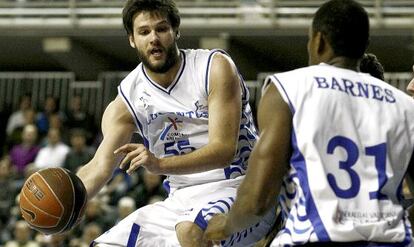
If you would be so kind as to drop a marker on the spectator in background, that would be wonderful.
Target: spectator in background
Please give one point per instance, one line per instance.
(57, 240)
(370, 64)
(56, 122)
(14, 216)
(77, 118)
(125, 207)
(79, 153)
(54, 153)
(8, 192)
(96, 211)
(120, 184)
(23, 236)
(25, 153)
(17, 118)
(3, 123)
(91, 231)
(29, 117)
(50, 107)
(151, 186)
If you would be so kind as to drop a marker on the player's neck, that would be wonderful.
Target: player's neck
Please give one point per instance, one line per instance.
(344, 62)
(165, 79)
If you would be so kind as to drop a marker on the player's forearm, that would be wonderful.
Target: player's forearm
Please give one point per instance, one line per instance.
(97, 172)
(258, 192)
(117, 129)
(243, 214)
(93, 177)
(252, 202)
(212, 156)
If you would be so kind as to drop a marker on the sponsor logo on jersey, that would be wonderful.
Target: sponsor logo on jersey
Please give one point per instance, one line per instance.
(170, 132)
(201, 111)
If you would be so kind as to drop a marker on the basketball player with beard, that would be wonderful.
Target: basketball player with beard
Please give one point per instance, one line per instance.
(191, 109)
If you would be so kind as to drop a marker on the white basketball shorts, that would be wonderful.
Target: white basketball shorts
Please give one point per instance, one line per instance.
(154, 225)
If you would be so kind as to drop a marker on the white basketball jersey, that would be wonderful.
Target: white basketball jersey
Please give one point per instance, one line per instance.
(174, 120)
(352, 139)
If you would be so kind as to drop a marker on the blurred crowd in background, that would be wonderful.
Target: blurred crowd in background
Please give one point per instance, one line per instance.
(40, 138)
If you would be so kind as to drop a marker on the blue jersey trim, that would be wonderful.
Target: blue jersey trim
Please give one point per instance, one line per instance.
(292, 109)
(208, 67)
(166, 186)
(200, 221)
(174, 83)
(299, 163)
(408, 233)
(138, 123)
(245, 90)
(207, 212)
(133, 236)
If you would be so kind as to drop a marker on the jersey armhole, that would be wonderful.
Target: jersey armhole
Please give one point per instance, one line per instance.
(273, 79)
(208, 68)
(134, 115)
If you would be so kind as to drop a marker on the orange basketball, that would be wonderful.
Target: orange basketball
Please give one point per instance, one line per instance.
(52, 200)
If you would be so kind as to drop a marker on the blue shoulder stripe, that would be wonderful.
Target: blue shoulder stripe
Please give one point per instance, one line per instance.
(137, 122)
(208, 66)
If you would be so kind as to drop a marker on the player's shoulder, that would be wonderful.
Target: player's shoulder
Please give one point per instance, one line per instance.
(296, 74)
(202, 58)
(132, 77)
(203, 54)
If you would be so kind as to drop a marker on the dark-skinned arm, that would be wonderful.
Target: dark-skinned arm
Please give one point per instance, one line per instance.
(268, 164)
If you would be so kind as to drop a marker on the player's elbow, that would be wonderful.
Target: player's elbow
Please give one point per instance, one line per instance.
(226, 154)
(261, 206)
(252, 206)
(257, 203)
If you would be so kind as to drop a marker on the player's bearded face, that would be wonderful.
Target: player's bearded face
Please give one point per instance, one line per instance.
(171, 57)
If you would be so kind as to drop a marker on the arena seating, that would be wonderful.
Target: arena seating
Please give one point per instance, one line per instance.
(97, 94)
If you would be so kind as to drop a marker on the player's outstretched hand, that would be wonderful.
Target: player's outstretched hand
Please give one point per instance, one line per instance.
(137, 155)
(217, 228)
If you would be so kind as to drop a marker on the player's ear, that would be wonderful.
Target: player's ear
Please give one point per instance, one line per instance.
(325, 49)
(319, 42)
(177, 34)
(131, 41)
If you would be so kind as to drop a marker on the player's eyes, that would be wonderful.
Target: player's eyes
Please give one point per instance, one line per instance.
(143, 32)
(162, 29)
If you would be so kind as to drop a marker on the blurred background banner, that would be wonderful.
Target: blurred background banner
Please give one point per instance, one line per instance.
(83, 40)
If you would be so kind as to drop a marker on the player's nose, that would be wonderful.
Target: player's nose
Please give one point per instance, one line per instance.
(154, 36)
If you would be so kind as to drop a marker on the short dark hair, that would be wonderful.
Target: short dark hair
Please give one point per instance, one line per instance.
(345, 24)
(370, 64)
(164, 7)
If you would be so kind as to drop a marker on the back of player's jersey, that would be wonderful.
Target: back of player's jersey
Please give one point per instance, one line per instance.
(352, 139)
